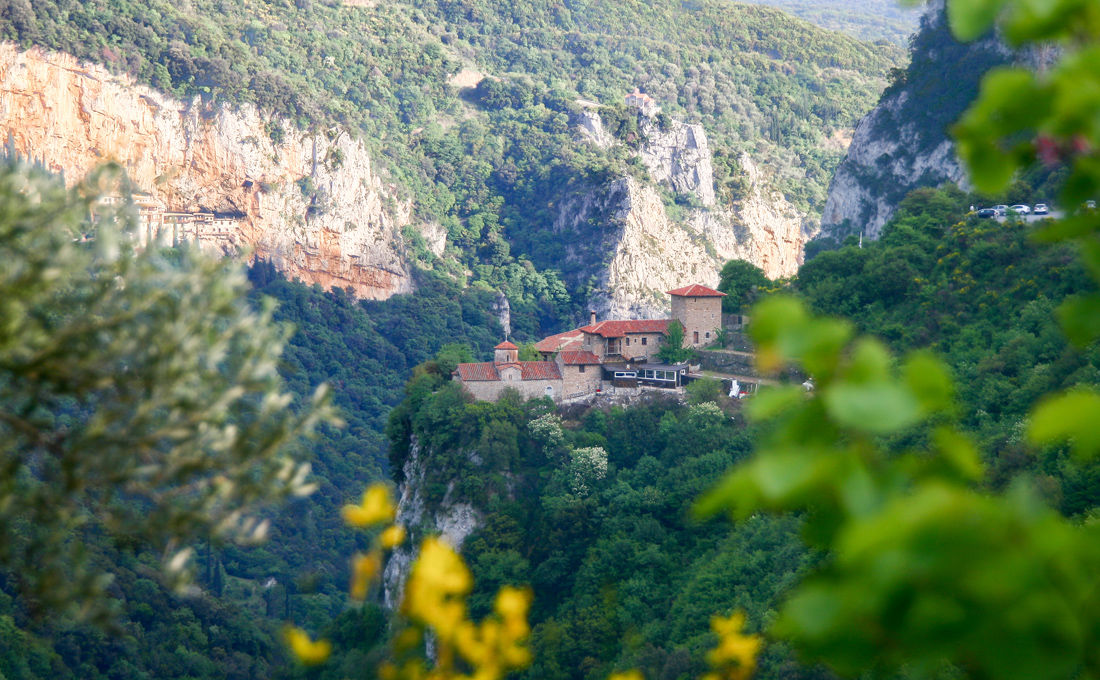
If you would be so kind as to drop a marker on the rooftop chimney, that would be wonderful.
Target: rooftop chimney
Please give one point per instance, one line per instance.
(592, 317)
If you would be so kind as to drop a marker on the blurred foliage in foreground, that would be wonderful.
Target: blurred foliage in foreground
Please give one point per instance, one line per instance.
(138, 394)
(925, 573)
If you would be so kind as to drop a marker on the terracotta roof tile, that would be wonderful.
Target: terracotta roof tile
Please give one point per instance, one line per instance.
(539, 370)
(488, 371)
(695, 290)
(506, 345)
(482, 371)
(560, 342)
(579, 358)
(617, 329)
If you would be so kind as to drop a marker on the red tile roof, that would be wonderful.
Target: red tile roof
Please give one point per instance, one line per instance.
(483, 371)
(579, 358)
(539, 370)
(560, 342)
(617, 329)
(506, 345)
(695, 290)
(528, 370)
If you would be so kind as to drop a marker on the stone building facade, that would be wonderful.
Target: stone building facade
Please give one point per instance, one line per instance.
(581, 373)
(699, 310)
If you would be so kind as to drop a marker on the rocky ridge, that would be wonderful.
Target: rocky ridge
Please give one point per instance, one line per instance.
(310, 202)
(904, 143)
(646, 251)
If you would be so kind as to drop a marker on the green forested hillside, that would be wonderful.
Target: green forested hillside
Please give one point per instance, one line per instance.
(983, 294)
(489, 164)
(622, 575)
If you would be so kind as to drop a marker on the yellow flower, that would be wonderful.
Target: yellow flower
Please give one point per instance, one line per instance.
(632, 674)
(307, 651)
(735, 654)
(435, 593)
(364, 567)
(512, 604)
(376, 508)
(392, 537)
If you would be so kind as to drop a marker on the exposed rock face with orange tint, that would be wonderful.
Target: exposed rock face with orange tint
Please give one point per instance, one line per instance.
(311, 203)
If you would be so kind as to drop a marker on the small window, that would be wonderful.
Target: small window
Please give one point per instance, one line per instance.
(708, 334)
(644, 340)
(581, 368)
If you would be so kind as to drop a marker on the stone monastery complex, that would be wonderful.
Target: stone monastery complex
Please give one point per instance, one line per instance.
(586, 361)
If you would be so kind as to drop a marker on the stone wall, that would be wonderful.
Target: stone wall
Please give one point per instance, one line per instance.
(490, 390)
(579, 380)
(735, 363)
(633, 347)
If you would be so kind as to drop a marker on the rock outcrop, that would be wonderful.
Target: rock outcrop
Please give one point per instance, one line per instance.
(627, 248)
(678, 156)
(904, 143)
(645, 253)
(451, 521)
(310, 202)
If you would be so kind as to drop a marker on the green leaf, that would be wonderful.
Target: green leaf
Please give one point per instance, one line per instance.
(787, 478)
(823, 342)
(969, 19)
(775, 316)
(930, 382)
(959, 452)
(877, 407)
(870, 362)
(772, 401)
(1080, 317)
(1073, 416)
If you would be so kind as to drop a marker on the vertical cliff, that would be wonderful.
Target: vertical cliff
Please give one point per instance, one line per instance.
(451, 520)
(904, 142)
(627, 247)
(311, 201)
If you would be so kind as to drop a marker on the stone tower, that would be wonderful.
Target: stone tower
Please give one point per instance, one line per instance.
(699, 311)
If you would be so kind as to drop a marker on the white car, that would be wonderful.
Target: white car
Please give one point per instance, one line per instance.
(1041, 209)
(1020, 209)
(1002, 210)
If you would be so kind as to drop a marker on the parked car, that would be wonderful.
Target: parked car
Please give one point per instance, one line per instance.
(1002, 210)
(1020, 209)
(1040, 209)
(987, 212)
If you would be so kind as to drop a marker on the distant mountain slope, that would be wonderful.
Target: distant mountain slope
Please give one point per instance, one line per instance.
(863, 19)
(469, 106)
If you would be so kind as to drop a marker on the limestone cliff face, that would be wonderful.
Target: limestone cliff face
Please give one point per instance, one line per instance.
(880, 168)
(680, 157)
(645, 253)
(311, 203)
(904, 143)
(453, 522)
(637, 252)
